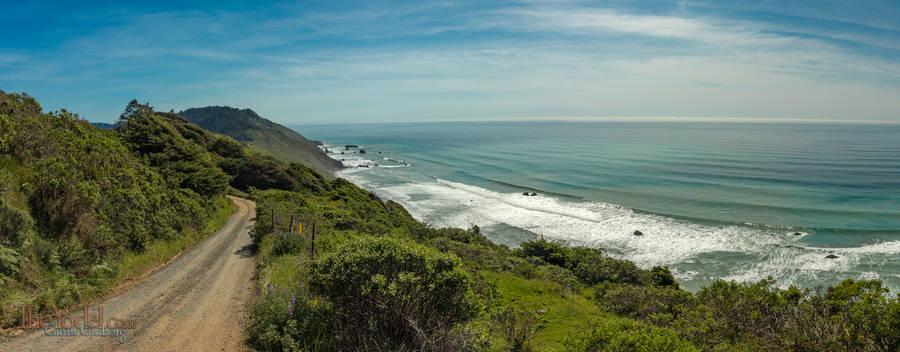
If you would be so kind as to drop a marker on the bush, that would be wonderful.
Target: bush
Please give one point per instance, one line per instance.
(287, 320)
(393, 294)
(516, 327)
(629, 336)
(287, 243)
(661, 304)
(871, 320)
(562, 276)
(13, 225)
(662, 276)
(742, 312)
(550, 252)
(591, 267)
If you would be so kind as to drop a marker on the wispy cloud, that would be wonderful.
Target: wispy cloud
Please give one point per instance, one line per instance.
(443, 60)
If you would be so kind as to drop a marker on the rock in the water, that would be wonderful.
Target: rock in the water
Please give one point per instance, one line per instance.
(524, 193)
(798, 234)
(831, 256)
(533, 194)
(362, 151)
(638, 233)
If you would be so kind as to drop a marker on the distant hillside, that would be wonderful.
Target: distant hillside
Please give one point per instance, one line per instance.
(262, 135)
(103, 125)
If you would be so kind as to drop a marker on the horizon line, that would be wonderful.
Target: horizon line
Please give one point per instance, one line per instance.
(631, 119)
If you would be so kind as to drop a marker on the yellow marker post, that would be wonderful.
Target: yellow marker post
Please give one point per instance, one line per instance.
(300, 228)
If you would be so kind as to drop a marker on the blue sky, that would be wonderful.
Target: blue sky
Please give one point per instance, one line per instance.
(368, 61)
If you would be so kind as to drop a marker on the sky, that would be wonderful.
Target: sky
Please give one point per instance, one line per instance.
(315, 62)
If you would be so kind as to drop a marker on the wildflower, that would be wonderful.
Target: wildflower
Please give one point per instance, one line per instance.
(271, 288)
(291, 306)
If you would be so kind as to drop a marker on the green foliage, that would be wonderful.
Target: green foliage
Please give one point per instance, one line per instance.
(14, 225)
(257, 173)
(629, 336)
(550, 252)
(592, 267)
(393, 293)
(263, 136)
(872, 320)
(283, 319)
(662, 276)
(740, 311)
(516, 326)
(9, 262)
(75, 200)
(660, 304)
(287, 243)
(173, 147)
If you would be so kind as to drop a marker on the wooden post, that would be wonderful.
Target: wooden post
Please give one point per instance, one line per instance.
(314, 240)
(291, 224)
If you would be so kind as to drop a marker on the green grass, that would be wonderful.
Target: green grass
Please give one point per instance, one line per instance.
(566, 313)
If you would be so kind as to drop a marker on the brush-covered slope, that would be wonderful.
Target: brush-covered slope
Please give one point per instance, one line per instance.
(76, 199)
(245, 126)
(84, 208)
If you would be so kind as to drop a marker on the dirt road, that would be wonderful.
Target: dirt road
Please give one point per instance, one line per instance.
(196, 303)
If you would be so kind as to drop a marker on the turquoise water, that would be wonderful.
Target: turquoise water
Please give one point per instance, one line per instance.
(714, 200)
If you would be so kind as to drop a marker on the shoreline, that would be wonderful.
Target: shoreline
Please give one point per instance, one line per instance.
(689, 246)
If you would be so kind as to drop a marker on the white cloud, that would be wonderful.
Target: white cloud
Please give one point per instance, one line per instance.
(552, 59)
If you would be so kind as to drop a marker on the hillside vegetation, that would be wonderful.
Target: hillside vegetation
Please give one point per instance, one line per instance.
(83, 209)
(262, 135)
(77, 203)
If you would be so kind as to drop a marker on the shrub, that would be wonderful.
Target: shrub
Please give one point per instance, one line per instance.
(871, 320)
(287, 243)
(393, 294)
(559, 275)
(629, 336)
(591, 267)
(287, 320)
(661, 304)
(516, 326)
(550, 252)
(662, 276)
(740, 311)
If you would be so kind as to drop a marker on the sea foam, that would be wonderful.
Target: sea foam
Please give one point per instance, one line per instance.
(697, 253)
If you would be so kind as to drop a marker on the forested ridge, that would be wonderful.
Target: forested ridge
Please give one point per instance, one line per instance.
(262, 135)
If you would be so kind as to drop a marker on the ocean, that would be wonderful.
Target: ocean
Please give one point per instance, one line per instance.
(736, 201)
